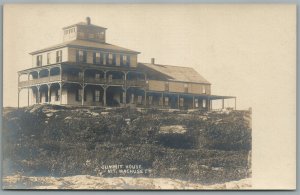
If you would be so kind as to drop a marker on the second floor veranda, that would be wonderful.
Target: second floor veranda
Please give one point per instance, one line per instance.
(84, 75)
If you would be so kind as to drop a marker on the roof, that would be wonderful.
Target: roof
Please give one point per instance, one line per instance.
(86, 44)
(176, 73)
(84, 24)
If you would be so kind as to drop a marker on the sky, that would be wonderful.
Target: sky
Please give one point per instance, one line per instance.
(233, 47)
(247, 51)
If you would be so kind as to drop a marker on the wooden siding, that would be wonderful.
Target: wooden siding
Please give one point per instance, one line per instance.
(178, 87)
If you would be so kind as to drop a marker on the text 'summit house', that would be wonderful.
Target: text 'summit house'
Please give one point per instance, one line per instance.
(85, 70)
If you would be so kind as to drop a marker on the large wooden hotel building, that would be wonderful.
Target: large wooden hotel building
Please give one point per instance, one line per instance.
(86, 70)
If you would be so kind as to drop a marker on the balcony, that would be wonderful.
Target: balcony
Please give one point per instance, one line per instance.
(39, 81)
(70, 78)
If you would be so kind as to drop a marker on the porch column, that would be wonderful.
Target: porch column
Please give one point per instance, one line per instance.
(210, 104)
(104, 96)
(125, 96)
(193, 102)
(60, 93)
(38, 95)
(49, 94)
(82, 95)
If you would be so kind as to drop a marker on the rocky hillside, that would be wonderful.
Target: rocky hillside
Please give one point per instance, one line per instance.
(201, 147)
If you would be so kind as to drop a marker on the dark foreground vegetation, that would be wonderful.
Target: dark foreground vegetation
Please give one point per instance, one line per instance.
(59, 141)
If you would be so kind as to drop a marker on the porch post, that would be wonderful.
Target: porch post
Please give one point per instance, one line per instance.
(104, 96)
(38, 94)
(60, 92)
(49, 94)
(82, 95)
(125, 96)
(193, 102)
(210, 104)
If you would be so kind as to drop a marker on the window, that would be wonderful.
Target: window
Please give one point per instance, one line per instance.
(203, 89)
(110, 59)
(167, 86)
(139, 99)
(48, 58)
(204, 103)
(97, 95)
(166, 101)
(57, 95)
(196, 102)
(39, 60)
(97, 76)
(81, 56)
(59, 56)
(181, 102)
(186, 89)
(150, 100)
(124, 97)
(132, 98)
(79, 95)
(97, 58)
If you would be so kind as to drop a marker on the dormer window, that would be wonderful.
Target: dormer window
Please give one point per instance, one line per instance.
(59, 56)
(39, 60)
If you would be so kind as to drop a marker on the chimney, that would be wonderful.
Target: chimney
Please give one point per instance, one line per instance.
(88, 20)
(152, 60)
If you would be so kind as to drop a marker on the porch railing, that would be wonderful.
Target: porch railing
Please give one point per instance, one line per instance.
(71, 78)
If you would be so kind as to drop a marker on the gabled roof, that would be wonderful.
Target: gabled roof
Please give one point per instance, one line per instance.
(87, 44)
(174, 73)
(84, 24)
